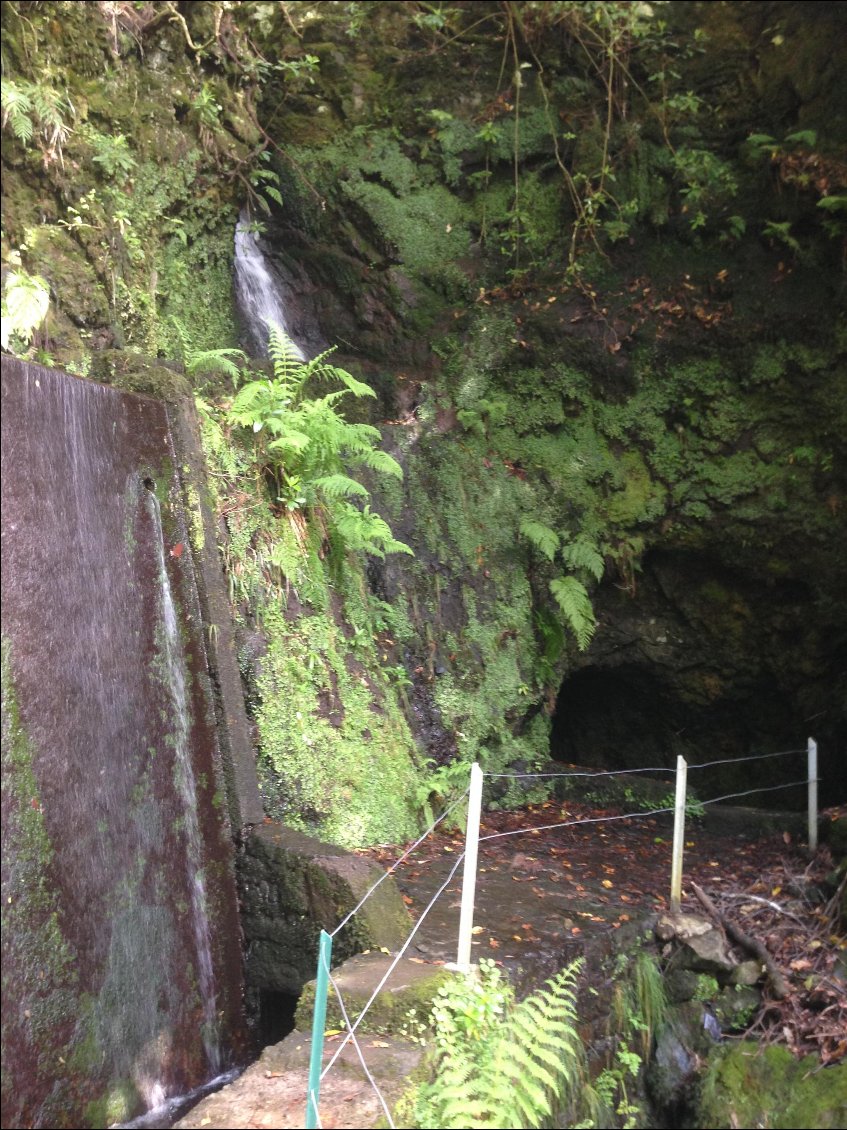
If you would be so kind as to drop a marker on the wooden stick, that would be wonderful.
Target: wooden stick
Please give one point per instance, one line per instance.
(752, 945)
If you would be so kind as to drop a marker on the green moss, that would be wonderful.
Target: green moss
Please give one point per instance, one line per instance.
(389, 1011)
(748, 1085)
(197, 530)
(329, 730)
(639, 498)
(116, 1106)
(38, 962)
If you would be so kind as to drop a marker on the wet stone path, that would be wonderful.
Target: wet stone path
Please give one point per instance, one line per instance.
(543, 893)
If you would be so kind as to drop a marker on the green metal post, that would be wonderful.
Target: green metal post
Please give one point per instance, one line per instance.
(318, 1026)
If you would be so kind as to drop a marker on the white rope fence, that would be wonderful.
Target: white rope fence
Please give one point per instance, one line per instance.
(473, 795)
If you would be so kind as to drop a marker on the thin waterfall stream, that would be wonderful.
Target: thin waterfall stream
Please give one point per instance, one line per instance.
(257, 291)
(174, 679)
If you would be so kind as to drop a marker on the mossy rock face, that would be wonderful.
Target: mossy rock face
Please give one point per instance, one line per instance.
(136, 373)
(292, 888)
(410, 986)
(747, 1085)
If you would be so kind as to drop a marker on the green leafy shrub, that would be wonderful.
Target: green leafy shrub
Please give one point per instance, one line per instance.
(499, 1063)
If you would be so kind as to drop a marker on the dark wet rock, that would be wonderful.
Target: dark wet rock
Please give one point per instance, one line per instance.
(293, 887)
(682, 1043)
(736, 1006)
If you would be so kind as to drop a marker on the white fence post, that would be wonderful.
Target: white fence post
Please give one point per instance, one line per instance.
(463, 959)
(813, 795)
(678, 834)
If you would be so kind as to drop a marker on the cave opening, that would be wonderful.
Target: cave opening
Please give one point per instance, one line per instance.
(619, 718)
(629, 717)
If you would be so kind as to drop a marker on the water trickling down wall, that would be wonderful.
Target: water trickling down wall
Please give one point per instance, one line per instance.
(121, 954)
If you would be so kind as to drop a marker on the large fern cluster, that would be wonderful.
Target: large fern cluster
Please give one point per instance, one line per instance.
(499, 1063)
(306, 448)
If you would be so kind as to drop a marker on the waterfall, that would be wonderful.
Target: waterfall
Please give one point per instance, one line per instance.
(174, 678)
(257, 291)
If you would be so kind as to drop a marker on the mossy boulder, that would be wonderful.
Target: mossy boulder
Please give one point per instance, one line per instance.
(134, 372)
(748, 1085)
(293, 887)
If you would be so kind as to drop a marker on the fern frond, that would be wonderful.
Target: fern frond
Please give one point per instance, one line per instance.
(381, 461)
(582, 553)
(362, 435)
(544, 539)
(500, 1064)
(17, 107)
(358, 388)
(25, 304)
(289, 367)
(290, 440)
(214, 361)
(573, 600)
(339, 486)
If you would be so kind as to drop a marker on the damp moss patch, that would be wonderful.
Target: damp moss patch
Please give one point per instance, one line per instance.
(748, 1085)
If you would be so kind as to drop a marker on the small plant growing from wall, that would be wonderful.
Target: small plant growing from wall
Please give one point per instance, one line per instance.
(571, 595)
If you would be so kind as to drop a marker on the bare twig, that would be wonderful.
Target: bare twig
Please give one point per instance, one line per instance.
(765, 902)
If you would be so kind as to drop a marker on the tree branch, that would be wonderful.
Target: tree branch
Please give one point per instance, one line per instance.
(752, 945)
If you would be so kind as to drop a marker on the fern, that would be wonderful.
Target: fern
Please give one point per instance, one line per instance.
(307, 449)
(498, 1063)
(17, 110)
(26, 301)
(575, 603)
(214, 361)
(339, 486)
(582, 553)
(544, 539)
(30, 107)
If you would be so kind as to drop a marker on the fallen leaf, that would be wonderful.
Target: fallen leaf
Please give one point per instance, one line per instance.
(607, 883)
(478, 930)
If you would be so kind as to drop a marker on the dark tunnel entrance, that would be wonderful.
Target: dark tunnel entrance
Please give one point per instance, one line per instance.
(618, 718)
(630, 717)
